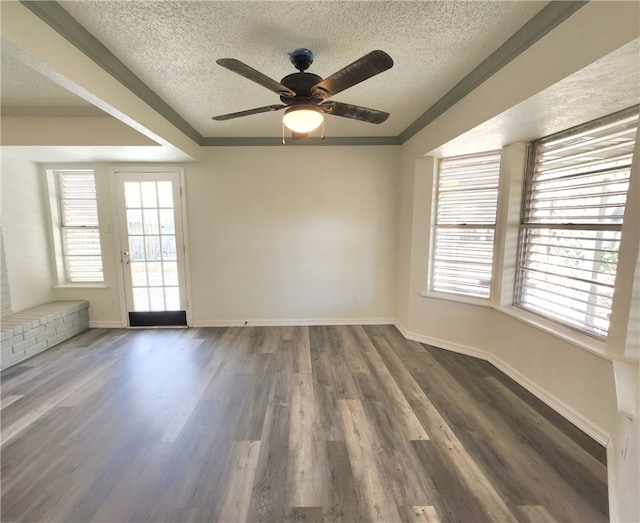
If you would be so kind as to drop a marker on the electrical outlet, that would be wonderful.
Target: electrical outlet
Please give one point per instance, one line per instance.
(354, 298)
(114, 301)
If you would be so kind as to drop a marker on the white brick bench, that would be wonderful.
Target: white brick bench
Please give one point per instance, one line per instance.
(33, 330)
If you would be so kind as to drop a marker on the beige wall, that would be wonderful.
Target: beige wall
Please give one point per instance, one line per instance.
(26, 240)
(293, 234)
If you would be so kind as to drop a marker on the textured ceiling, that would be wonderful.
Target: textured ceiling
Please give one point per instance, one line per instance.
(26, 92)
(604, 87)
(172, 47)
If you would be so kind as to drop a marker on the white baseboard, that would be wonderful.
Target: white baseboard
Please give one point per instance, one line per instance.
(549, 399)
(106, 325)
(443, 344)
(292, 322)
(556, 404)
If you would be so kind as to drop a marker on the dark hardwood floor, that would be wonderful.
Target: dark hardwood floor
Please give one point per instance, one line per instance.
(346, 423)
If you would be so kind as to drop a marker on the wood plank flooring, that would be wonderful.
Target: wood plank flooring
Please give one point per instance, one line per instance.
(345, 423)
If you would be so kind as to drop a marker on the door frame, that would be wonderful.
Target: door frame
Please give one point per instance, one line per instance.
(117, 244)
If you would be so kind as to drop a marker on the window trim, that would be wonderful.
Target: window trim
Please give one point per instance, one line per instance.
(55, 213)
(562, 329)
(430, 292)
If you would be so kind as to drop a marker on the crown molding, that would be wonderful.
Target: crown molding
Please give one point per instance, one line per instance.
(313, 141)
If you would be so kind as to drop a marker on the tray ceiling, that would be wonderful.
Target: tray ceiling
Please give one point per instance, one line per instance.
(164, 53)
(172, 46)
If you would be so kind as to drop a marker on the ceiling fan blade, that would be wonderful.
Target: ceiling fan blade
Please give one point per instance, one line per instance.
(255, 76)
(249, 112)
(364, 114)
(369, 65)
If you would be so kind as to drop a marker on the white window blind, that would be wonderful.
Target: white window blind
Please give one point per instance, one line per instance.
(574, 205)
(467, 197)
(79, 226)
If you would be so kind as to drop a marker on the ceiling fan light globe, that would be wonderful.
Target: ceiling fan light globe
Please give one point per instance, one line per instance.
(302, 118)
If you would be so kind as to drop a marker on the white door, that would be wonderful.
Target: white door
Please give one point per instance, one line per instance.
(152, 248)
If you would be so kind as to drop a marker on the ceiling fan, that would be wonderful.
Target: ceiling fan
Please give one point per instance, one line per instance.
(304, 95)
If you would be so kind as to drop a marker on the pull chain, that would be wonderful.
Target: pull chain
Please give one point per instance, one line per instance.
(283, 142)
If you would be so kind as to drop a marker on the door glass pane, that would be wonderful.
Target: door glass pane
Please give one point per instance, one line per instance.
(140, 299)
(172, 297)
(156, 299)
(154, 274)
(136, 248)
(151, 221)
(138, 274)
(148, 191)
(168, 247)
(165, 194)
(132, 194)
(152, 244)
(170, 271)
(134, 221)
(167, 225)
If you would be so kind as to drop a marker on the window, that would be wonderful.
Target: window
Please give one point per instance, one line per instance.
(79, 233)
(574, 205)
(467, 197)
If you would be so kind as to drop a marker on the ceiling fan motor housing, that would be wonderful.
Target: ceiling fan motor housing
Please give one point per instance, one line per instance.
(301, 84)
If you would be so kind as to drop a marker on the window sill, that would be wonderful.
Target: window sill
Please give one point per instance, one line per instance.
(81, 286)
(580, 340)
(458, 298)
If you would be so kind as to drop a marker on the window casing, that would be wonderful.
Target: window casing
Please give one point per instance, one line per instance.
(465, 222)
(574, 202)
(79, 232)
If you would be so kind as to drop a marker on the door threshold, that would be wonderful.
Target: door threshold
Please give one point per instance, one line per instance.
(158, 319)
(144, 327)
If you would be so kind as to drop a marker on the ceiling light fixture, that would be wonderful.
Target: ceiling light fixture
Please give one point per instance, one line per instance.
(302, 118)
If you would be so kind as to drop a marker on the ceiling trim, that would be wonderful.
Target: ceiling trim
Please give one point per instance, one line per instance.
(343, 140)
(553, 14)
